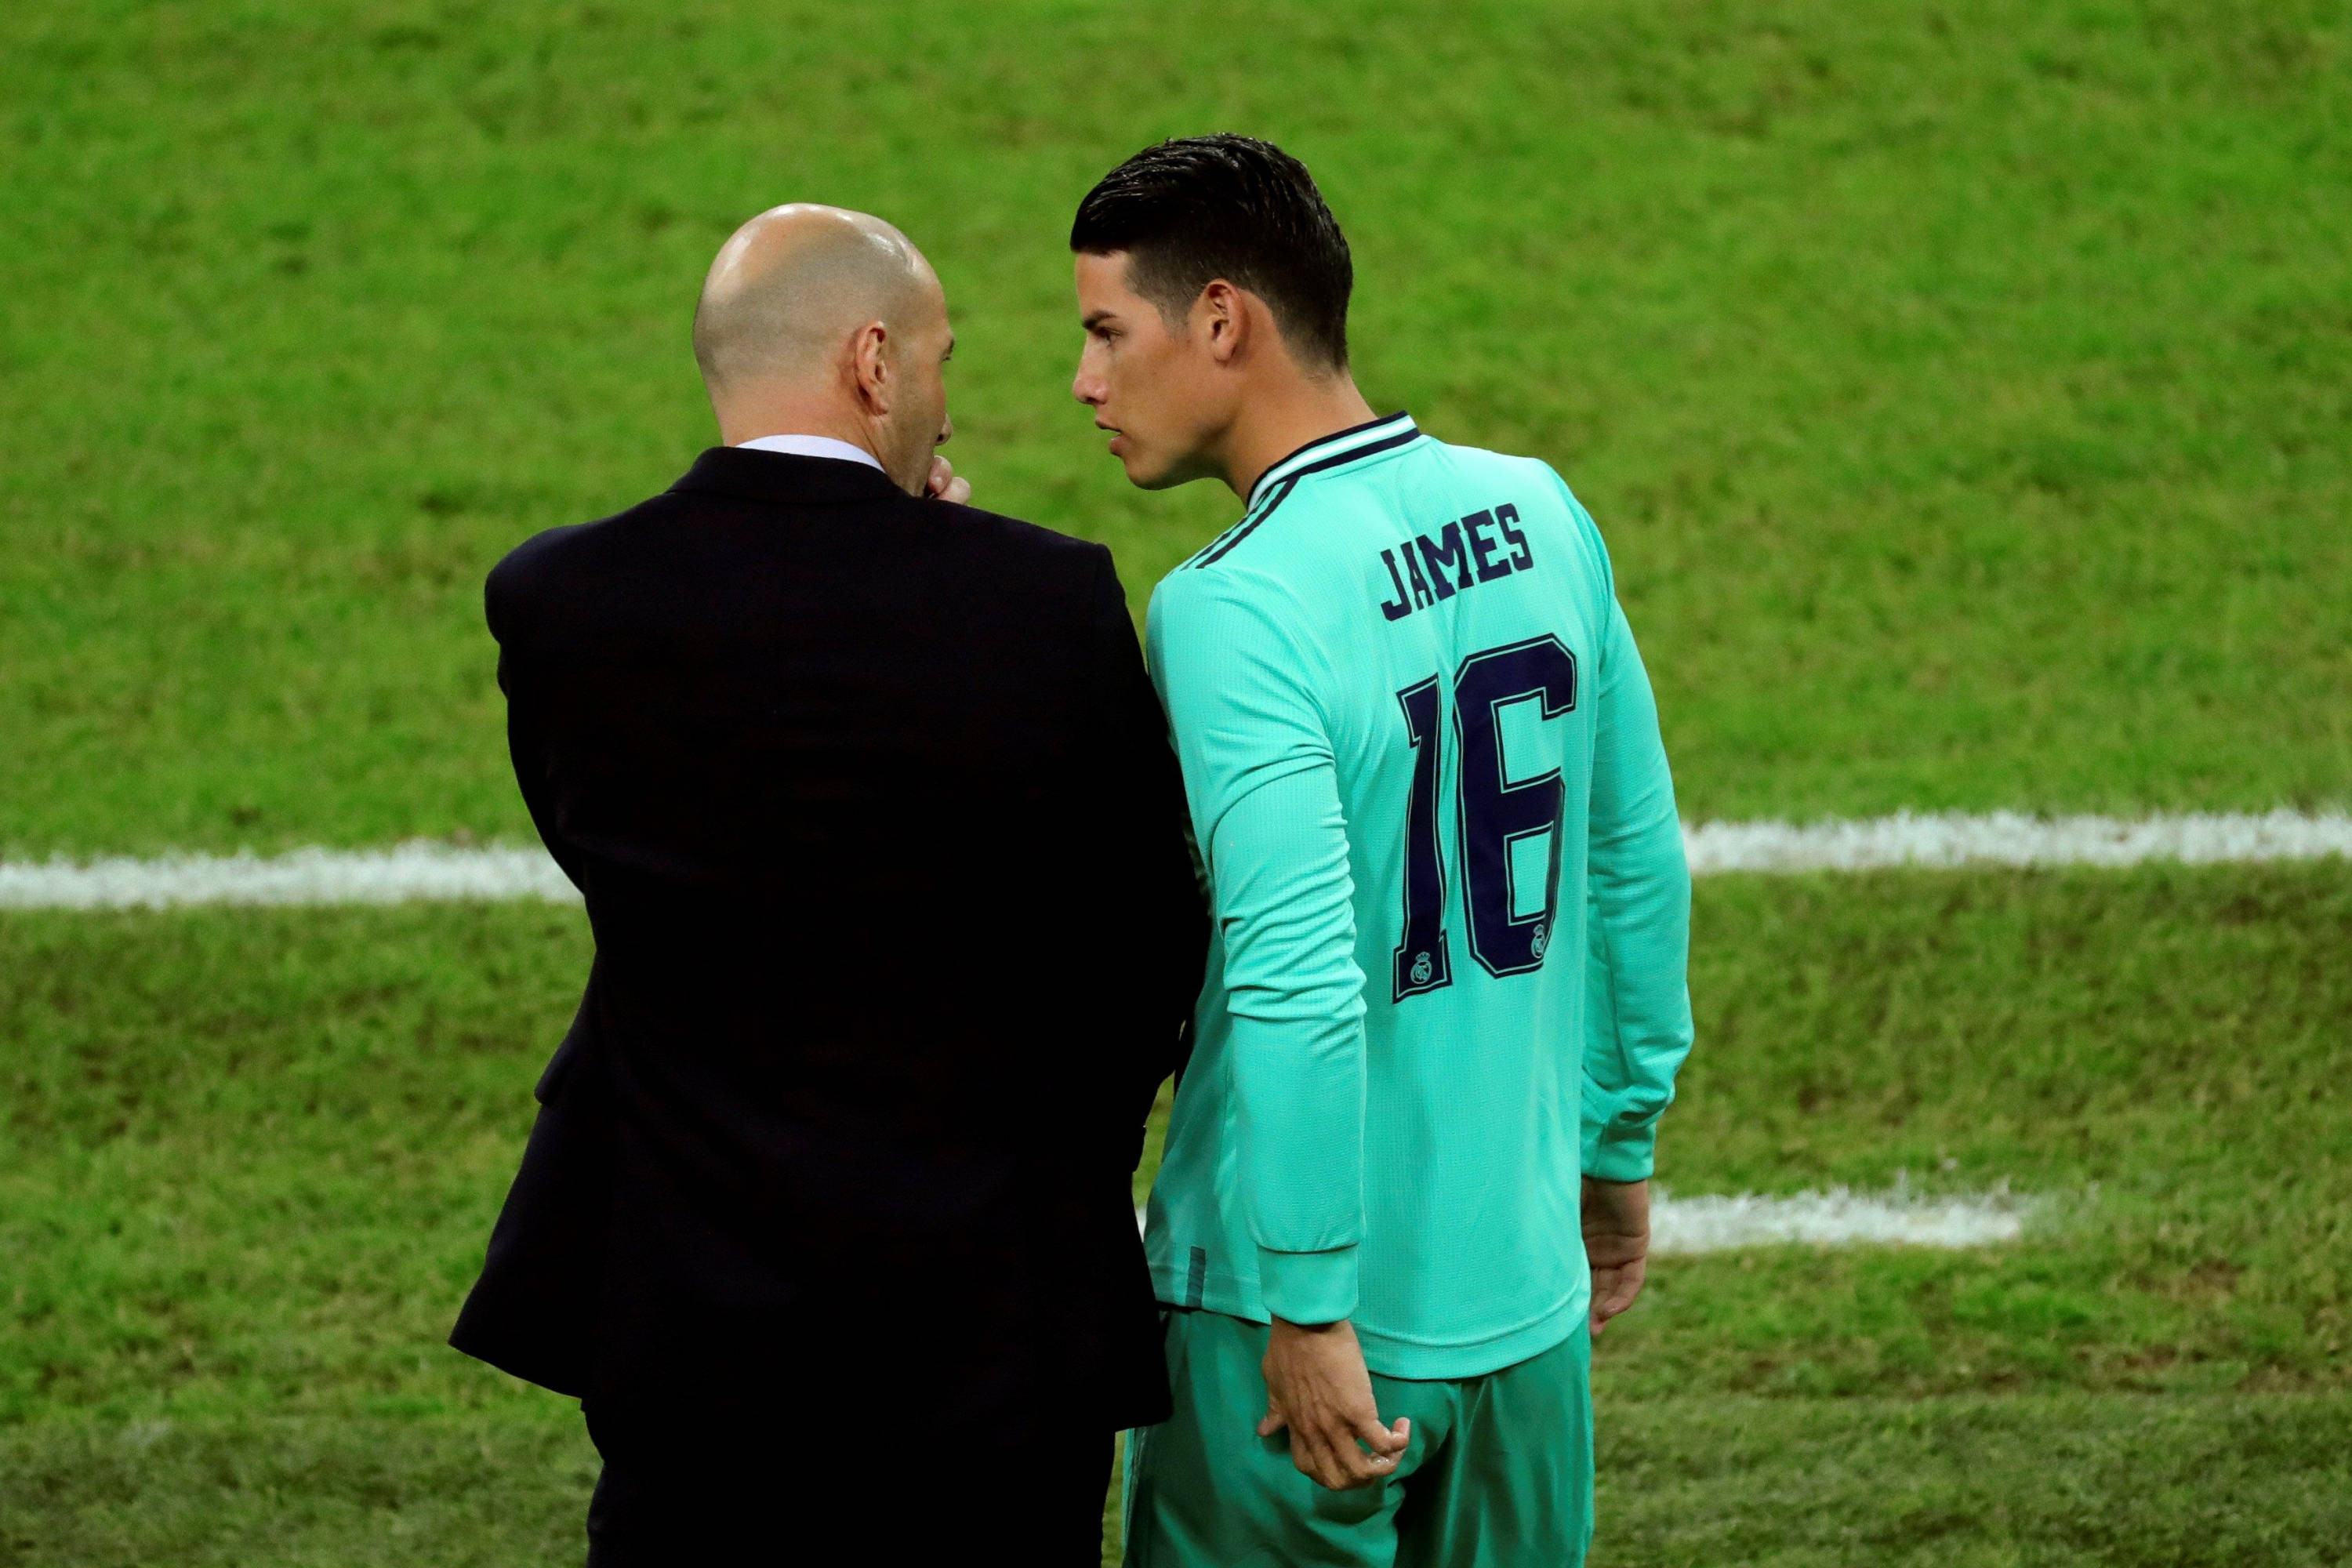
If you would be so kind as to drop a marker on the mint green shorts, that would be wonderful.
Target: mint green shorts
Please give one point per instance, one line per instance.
(1498, 1473)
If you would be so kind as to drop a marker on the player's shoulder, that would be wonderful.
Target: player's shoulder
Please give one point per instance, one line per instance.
(1537, 491)
(1199, 582)
(1528, 476)
(1254, 599)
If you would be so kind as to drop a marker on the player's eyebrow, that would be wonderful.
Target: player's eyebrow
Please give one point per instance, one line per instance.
(1094, 319)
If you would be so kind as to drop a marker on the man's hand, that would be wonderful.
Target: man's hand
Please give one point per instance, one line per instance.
(1616, 1243)
(1317, 1386)
(943, 485)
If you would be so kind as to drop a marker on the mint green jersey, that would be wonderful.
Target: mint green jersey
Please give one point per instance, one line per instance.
(1452, 909)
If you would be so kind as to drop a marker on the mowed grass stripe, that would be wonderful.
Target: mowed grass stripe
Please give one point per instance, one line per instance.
(248, 1157)
(2037, 1479)
(1963, 391)
(428, 871)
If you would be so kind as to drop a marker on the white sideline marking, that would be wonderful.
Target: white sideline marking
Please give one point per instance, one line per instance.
(431, 870)
(2008, 838)
(410, 871)
(1835, 1218)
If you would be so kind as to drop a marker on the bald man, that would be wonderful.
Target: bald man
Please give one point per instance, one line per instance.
(825, 1213)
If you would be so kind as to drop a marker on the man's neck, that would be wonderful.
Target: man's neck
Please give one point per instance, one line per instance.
(833, 430)
(752, 418)
(1277, 421)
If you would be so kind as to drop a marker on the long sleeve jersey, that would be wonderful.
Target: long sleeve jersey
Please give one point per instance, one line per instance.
(1451, 910)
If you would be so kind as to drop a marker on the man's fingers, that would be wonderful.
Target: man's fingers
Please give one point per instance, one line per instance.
(1273, 1421)
(944, 483)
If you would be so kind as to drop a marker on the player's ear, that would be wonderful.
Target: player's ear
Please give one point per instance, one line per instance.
(1220, 321)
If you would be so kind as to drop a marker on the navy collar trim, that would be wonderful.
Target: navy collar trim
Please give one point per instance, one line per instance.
(1333, 451)
(1355, 436)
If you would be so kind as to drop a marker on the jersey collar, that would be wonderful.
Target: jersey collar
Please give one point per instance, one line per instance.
(1330, 451)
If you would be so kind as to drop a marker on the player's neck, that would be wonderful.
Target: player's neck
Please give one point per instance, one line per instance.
(1284, 415)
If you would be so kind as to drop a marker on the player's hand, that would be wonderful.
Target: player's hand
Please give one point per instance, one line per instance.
(1616, 1243)
(943, 484)
(1316, 1384)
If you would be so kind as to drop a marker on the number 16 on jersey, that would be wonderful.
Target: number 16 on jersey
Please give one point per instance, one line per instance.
(1493, 813)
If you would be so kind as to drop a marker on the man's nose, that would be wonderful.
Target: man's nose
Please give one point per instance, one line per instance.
(1087, 389)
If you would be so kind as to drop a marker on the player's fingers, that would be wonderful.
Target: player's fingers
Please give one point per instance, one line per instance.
(1358, 1468)
(1383, 1441)
(1332, 1455)
(1629, 1285)
(1348, 1470)
(1273, 1421)
(959, 490)
(942, 475)
(1337, 1462)
(1611, 1295)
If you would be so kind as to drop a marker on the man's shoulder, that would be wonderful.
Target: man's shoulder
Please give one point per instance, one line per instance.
(988, 547)
(993, 532)
(533, 568)
(521, 567)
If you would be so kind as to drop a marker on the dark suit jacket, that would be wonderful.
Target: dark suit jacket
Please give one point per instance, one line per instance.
(896, 932)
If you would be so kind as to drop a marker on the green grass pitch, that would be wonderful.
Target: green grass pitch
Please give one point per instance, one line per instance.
(1966, 392)
(1964, 388)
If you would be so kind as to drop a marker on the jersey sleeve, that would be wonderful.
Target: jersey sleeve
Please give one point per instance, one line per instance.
(1264, 795)
(1638, 1013)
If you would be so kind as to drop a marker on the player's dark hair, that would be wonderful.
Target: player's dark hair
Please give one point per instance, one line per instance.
(1199, 208)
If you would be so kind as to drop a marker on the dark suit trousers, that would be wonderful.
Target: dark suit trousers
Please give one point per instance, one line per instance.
(803, 1491)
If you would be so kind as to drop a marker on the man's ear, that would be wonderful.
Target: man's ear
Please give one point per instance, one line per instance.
(1220, 317)
(869, 369)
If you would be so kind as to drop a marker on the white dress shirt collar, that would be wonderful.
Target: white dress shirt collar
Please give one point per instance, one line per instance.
(813, 447)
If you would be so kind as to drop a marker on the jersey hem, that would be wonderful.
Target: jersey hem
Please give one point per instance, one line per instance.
(1409, 1361)
(1417, 1363)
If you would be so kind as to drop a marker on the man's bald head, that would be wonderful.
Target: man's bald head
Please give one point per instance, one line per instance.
(817, 322)
(790, 287)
